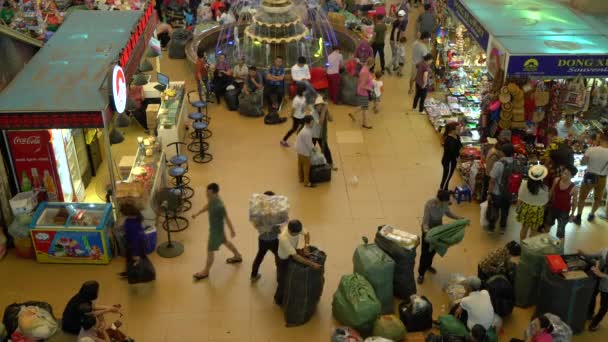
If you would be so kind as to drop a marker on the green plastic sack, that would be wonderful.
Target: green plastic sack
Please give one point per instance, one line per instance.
(450, 325)
(378, 268)
(390, 327)
(445, 236)
(7, 15)
(355, 304)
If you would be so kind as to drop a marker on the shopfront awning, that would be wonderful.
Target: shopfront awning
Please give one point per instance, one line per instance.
(65, 85)
(543, 38)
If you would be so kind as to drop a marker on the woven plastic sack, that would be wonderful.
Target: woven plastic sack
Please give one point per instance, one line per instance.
(450, 325)
(10, 318)
(378, 268)
(251, 105)
(348, 89)
(390, 327)
(355, 304)
(404, 283)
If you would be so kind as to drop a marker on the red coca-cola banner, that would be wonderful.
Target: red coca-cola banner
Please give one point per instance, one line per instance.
(34, 162)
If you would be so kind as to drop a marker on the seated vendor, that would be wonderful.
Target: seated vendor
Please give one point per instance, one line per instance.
(254, 82)
(477, 306)
(566, 129)
(275, 84)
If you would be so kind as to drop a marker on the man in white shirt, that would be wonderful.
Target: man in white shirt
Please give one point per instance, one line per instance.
(478, 306)
(567, 129)
(419, 50)
(304, 147)
(288, 249)
(596, 159)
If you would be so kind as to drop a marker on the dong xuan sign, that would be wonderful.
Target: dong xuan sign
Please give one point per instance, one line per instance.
(558, 66)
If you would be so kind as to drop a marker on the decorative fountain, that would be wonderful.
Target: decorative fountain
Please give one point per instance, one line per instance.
(270, 28)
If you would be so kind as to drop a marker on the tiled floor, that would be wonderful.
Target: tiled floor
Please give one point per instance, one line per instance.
(385, 176)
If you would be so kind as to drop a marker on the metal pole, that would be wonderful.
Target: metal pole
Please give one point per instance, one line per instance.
(109, 161)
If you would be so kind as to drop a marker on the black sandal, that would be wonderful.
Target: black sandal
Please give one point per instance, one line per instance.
(198, 277)
(234, 260)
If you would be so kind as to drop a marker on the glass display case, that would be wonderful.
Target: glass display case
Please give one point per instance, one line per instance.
(76, 233)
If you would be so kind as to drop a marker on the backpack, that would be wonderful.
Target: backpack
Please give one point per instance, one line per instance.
(509, 184)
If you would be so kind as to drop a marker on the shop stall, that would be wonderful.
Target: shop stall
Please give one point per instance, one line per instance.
(548, 68)
(75, 233)
(59, 115)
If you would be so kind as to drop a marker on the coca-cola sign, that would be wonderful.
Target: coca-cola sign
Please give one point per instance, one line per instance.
(29, 140)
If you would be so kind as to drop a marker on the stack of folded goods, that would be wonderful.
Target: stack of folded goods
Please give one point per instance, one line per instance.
(268, 211)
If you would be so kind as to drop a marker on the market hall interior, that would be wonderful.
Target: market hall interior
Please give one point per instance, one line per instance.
(385, 175)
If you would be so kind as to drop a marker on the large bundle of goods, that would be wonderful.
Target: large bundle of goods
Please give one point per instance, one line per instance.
(575, 296)
(389, 327)
(348, 89)
(417, 315)
(345, 334)
(303, 289)
(177, 44)
(531, 265)
(251, 105)
(355, 303)
(30, 320)
(378, 268)
(268, 211)
(401, 247)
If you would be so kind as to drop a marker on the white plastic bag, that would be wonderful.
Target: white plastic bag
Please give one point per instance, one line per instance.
(36, 323)
(483, 220)
(317, 158)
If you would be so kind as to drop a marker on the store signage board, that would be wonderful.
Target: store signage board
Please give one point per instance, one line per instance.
(119, 89)
(558, 65)
(51, 120)
(137, 32)
(474, 27)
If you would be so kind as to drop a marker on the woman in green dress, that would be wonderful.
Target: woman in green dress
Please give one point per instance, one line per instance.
(217, 236)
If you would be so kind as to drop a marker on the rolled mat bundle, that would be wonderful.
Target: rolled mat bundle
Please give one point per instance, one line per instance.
(443, 237)
(355, 303)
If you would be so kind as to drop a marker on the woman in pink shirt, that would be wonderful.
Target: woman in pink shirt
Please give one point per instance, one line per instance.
(364, 86)
(541, 330)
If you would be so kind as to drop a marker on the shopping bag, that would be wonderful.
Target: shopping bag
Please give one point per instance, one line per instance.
(556, 263)
(317, 158)
(575, 95)
(483, 220)
(141, 272)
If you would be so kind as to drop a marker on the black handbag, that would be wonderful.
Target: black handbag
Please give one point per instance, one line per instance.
(141, 272)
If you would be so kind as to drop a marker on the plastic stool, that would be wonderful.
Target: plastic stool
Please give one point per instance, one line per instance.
(463, 193)
(151, 239)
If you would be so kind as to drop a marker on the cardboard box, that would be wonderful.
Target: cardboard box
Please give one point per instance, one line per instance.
(24, 202)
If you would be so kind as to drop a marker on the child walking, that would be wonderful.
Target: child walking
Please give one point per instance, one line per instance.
(378, 89)
(398, 60)
(217, 236)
